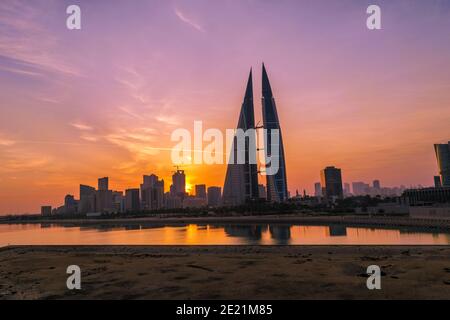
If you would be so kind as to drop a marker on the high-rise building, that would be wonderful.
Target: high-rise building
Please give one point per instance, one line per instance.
(241, 180)
(347, 190)
(103, 196)
(214, 196)
(87, 199)
(103, 201)
(157, 195)
(178, 187)
(118, 201)
(437, 182)
(376, 184)
(86, 190)
(103, 184)
(132, 200)
(360, 188)
(172, 202)
(70, 204)
(276, 183)
(317, 189)
(150, 180)
(331, 180)
(152, 193)
(200, 191)
(443, 160)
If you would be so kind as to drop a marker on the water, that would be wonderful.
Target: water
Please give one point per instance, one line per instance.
(193, 234)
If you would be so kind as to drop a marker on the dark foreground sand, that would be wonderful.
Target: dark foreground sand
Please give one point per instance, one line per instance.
(225, 272)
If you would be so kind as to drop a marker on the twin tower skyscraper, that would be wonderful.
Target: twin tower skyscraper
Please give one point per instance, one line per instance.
(241, 180)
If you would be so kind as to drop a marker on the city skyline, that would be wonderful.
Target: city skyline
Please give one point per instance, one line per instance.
(84, 204)
(102, 101)
(151, 195)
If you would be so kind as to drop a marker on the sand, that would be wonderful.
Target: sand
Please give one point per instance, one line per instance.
(225, 272)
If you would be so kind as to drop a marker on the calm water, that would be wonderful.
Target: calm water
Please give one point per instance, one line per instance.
(40, 234)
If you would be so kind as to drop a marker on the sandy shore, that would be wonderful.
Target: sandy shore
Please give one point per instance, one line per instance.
(225, 272)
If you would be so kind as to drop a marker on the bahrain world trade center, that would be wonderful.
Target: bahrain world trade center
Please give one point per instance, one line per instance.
(241, 180)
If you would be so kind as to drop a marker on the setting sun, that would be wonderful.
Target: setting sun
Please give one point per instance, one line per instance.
(189, 187)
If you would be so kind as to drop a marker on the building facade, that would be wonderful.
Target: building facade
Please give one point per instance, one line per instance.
(103, 184)
(426, 196)
(376, 184)
(152, 193)
(277, 190)
(46, 211)
(87, 199)
(132, 202)
(214, 196)
(200, 191)
(437, 182)
(443, 160)
(360, 188)
(331, 180)
(70, 204)
(241, 180)
(178, 187)
(317, 190)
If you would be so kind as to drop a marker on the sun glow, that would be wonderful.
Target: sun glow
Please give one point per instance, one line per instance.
(189, 187)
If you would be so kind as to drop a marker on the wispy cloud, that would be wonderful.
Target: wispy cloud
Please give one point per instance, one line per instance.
(15, 165)
(19, 71)
(137, 141)
(135, 83)
(27, 47)
(23, 162)
(81, 126)
(131, 113)
(48, 99)
(6, 142)
(168, 120)
(182, 16)
(90, 138)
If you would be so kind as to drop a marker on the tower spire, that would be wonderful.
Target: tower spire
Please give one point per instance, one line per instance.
(266, 88)
(241, 180)
(276, 183)
(249, 90)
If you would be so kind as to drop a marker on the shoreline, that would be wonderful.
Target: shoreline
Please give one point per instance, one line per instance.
(206, 272)
(347, 220)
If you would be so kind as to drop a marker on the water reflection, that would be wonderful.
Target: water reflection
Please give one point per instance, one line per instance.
(217, 234)
(338, 231)
(280, 233)
(250, 232)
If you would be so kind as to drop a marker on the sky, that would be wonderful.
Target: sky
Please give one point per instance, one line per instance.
(76, 105)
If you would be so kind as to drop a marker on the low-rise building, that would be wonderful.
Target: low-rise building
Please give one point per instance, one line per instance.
(426, 196)
(194, 202)
(430, 212)
(46, 211)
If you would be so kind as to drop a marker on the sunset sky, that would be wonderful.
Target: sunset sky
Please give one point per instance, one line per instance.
(76, 105)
